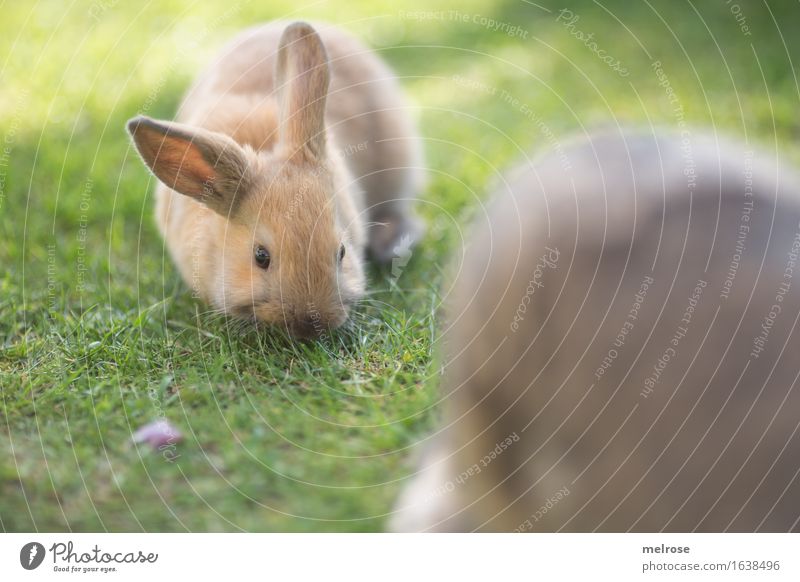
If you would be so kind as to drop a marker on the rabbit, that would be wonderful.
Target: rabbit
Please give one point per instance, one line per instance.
(291, 154)
(619, 352)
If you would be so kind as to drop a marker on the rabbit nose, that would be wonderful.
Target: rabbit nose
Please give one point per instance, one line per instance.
(307, 327)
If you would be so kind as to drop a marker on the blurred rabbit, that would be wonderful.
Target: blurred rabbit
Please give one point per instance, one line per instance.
(260, 201)
(621, 347)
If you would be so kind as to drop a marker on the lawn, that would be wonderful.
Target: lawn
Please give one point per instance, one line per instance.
(98, 335)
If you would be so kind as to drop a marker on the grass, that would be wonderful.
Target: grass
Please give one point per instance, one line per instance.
(98, 336)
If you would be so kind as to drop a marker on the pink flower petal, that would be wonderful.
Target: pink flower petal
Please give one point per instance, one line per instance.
(158, 434)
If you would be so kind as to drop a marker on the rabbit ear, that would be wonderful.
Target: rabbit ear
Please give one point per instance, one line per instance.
(302, 76)
(205, 165)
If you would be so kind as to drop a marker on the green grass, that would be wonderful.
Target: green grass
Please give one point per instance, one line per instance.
(98, 336)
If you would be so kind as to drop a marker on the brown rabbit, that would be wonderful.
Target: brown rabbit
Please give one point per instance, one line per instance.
(260, 200)
(621, 354)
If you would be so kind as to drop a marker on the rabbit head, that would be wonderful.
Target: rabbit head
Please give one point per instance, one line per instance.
(280, 241)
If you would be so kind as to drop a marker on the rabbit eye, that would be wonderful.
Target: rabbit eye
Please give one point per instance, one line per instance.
(262, 257)
(341, 253)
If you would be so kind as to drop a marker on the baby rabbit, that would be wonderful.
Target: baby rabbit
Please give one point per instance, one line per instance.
(263, 177)
(621, 353)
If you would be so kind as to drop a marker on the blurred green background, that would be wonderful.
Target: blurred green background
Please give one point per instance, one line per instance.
(98, 336)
